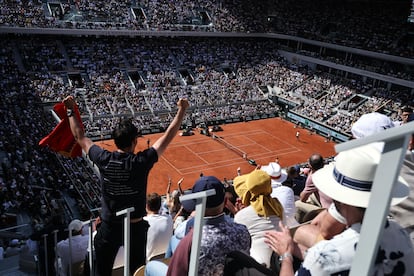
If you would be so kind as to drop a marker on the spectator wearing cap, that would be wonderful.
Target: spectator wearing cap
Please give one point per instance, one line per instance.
(369, 124)
(219, 237)
(160, 230)
(335, 256)
(13, 248)
(262, 212)
(79, 248)
(283, 193)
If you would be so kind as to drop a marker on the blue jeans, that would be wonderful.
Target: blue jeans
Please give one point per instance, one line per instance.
(155, 268)
(174, 241)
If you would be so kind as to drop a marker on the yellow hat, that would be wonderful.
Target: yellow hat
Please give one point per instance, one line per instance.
(254, 189)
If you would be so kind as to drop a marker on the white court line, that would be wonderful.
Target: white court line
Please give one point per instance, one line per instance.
(193, 152)
(190, 170)
(274, 154)
(231, 161)
(274, 137)
(169, 163)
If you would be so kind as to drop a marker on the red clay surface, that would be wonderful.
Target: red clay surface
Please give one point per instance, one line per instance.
(262, 140)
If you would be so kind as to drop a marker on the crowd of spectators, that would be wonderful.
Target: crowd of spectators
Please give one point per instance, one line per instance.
(226, 79)
(376, 25)
(225, 76)
(383, 67)
(34, 182)
(143, 78)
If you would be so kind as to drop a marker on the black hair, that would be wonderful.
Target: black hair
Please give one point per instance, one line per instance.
(407, 109)
(234, 196)
(125, 133)
(410, 117)
(292, 171)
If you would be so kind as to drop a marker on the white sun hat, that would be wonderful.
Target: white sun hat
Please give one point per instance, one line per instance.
(349, 179)
(371, 123)
(277, 174)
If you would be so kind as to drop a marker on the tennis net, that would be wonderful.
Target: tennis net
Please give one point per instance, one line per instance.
(230, 146)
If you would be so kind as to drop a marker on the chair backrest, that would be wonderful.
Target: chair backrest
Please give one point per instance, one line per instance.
(77, 268)
(238, 263)
(140, 271)
(157, 257)
(165, 260)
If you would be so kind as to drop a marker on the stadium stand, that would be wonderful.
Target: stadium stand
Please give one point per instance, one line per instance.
(231, 59)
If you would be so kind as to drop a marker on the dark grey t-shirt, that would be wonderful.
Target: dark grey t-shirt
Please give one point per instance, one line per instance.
(123, 180)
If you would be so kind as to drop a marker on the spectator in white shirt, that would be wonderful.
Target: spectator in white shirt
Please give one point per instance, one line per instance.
(160, 230)
(79, 246)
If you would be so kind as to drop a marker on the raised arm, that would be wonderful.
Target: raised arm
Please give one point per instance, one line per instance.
(75, 127)
(180, 189)
(161, 144)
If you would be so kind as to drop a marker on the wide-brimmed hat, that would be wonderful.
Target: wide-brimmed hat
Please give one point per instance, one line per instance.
(205, 183)
(350, 178)
(277, 174)
(371, 123)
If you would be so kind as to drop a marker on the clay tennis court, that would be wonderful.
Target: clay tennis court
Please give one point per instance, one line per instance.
(263, 141)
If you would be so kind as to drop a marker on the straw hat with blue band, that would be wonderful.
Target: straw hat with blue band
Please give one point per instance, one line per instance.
(350, 178)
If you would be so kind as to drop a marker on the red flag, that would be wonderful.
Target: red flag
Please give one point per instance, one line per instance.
(61, 139)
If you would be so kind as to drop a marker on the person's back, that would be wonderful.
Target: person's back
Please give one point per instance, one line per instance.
(78, 246)
(220, 235)
(316, 162)
(295, 180)
(286, 197)
(161, 227)
(311, 199)
(257, 226)
(283, 193)
(13, 249)
(123, 179)
(262, 212)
